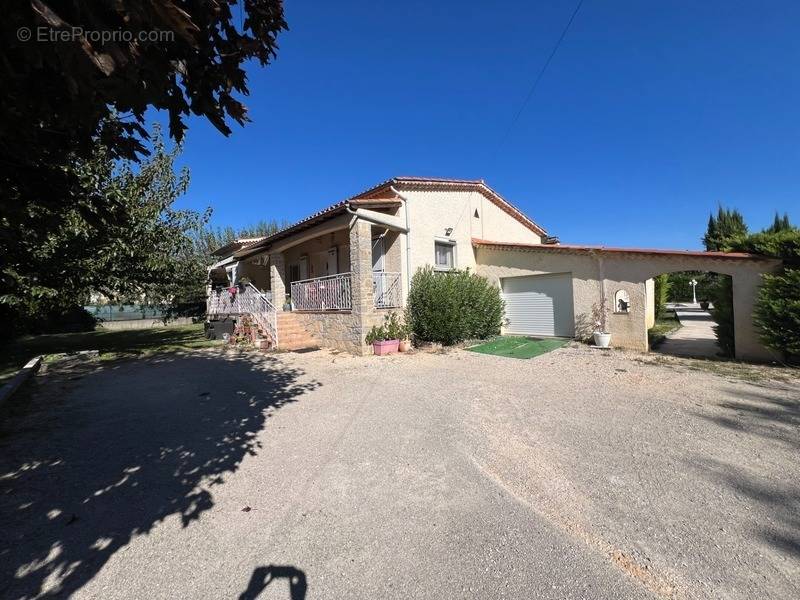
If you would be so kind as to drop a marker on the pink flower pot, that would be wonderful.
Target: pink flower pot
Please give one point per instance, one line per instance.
(385, 347)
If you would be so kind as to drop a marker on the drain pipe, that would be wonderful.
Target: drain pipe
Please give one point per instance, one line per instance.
(601, 275)
(404, 200)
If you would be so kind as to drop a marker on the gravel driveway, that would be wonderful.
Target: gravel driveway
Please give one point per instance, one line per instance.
(578, 474)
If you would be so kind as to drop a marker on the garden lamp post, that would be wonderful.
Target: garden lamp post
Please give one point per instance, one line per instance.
(694, 290)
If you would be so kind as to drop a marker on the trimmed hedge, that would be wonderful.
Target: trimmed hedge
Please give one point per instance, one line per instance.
(777, 313)
(777, 310)
(452, 307)
(662, 287)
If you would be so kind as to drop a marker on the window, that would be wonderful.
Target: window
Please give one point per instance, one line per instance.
(444, 256)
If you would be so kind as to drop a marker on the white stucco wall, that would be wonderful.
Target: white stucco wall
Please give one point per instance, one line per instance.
(650, 290)
(432, 212)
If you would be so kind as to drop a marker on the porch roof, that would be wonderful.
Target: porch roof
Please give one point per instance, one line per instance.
(235, 245)
(318, 217)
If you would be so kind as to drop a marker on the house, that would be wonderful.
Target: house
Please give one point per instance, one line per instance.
(340, 270)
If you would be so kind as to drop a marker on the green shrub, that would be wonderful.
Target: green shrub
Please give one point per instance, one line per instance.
(661, 293)
(777, 310)
(451, 307)
(777, 313)
(783, 244)
(722, 313)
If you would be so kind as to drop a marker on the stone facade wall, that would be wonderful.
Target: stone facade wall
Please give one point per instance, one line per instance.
(361, 282)
(277, 273)
(337, 330)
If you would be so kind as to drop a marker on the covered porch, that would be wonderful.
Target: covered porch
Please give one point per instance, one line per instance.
(337, 267)
(333, 275)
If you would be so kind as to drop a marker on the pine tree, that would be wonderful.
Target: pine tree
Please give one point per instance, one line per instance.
(723, 229)
(780, 224)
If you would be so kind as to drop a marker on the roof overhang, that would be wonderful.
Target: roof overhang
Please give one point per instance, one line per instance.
(317, 218)
(222, 263)
(594, 250)
(235, 245)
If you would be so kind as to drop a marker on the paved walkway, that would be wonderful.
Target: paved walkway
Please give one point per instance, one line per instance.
(696, 336)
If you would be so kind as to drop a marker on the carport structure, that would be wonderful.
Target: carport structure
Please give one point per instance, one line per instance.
(569, 279)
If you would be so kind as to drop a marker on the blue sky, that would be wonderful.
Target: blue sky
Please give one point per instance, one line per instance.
(650, 114)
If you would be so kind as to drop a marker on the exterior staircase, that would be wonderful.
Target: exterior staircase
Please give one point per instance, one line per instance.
(292, 335)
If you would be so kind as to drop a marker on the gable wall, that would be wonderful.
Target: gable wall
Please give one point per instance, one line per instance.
(432, 212)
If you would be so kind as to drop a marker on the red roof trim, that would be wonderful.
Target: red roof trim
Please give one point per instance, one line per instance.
(612, 250)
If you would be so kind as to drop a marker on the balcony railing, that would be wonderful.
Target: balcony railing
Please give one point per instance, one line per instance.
(323, 293)
(387, 289)
(248, 300)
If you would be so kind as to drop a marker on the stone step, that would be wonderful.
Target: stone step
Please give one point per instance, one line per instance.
(292, 333)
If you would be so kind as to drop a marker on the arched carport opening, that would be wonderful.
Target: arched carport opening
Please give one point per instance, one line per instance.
(692, 314)
(738, 273)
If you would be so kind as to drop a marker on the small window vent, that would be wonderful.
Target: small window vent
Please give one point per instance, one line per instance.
(476, 215)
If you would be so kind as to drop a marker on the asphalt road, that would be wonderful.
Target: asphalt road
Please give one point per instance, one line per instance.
(578, 474)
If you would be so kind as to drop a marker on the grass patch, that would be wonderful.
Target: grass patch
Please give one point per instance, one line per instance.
(518, 347)
(665, 324)
(110, 344)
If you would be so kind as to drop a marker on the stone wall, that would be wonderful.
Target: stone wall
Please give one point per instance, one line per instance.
(337, 330)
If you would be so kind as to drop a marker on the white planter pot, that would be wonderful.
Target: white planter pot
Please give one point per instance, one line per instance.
(602, 340)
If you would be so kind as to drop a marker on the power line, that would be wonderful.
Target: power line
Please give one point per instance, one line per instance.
(541, 73)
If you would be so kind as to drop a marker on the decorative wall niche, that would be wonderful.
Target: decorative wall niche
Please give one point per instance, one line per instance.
(622, 302)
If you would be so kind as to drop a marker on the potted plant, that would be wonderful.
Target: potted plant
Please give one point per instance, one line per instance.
(385, 339)
(602, 338)
(405, 342)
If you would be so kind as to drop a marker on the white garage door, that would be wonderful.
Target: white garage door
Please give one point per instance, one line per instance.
(539, 305)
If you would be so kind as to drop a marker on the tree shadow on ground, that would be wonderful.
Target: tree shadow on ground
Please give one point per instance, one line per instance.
(765, 414)
(264, 576)
(97, 456)
(780, 498)
(774, 417)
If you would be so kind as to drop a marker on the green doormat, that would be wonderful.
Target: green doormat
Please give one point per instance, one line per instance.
(519, 347)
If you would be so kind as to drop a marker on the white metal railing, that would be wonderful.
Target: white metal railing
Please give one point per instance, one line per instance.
(387, 289)
(247, 301)
(323, 293)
